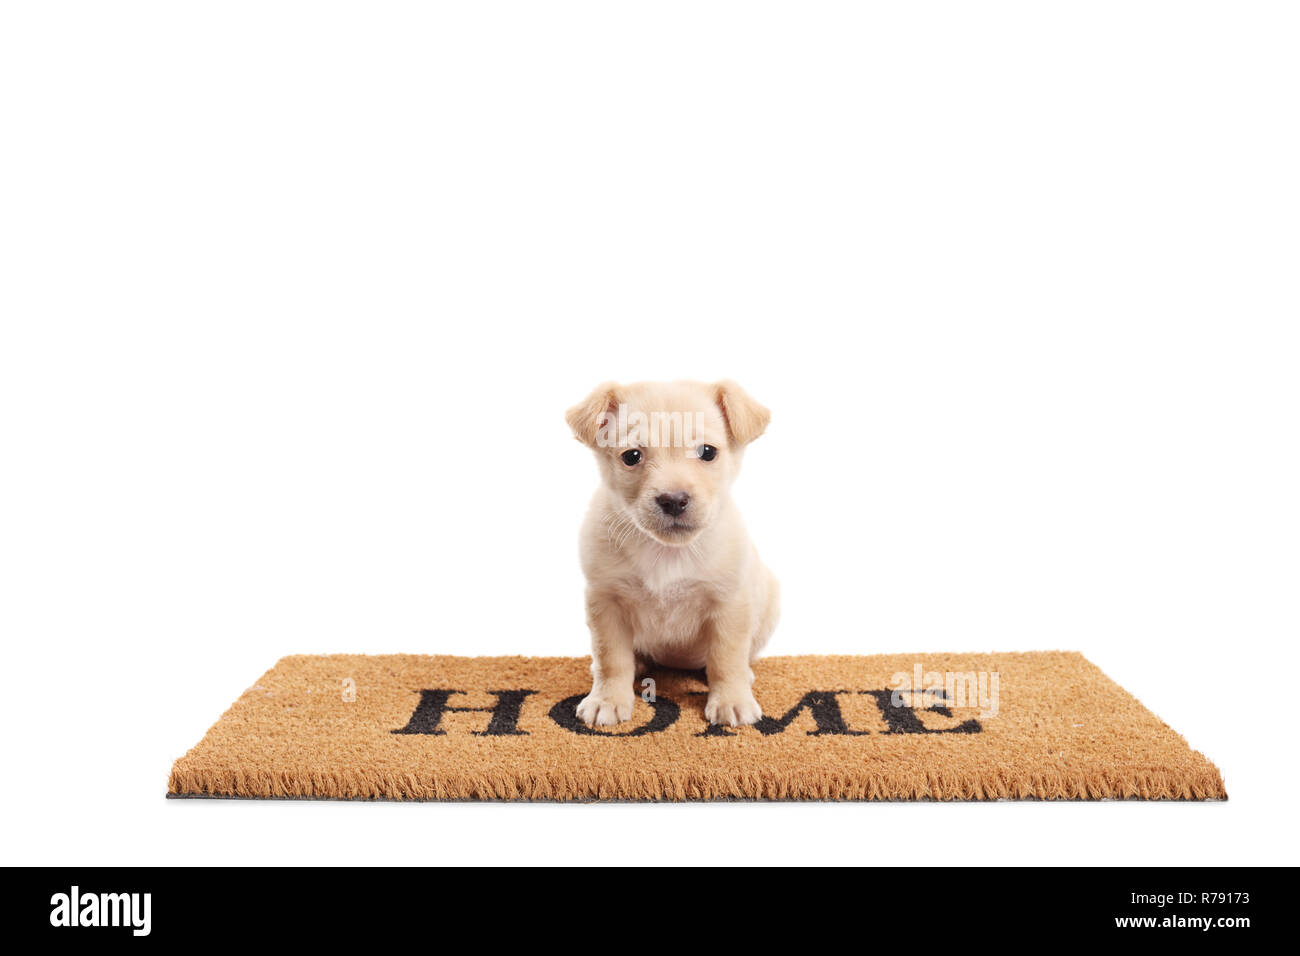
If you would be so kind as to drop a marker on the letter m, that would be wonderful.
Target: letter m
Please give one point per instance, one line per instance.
(825, 710)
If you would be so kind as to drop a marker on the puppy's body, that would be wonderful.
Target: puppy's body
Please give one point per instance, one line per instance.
(668, 592)
(672, 577)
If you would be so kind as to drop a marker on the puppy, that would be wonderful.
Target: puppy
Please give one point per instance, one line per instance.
(672, 577)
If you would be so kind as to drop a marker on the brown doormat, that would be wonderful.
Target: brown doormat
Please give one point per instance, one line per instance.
(967, 727)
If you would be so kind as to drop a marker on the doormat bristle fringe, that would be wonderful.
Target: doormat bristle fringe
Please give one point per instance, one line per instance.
(1047, 726)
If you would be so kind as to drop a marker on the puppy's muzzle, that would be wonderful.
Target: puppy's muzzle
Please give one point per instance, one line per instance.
(673, 504)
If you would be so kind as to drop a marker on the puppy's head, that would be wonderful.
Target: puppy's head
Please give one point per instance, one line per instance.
(668, 451)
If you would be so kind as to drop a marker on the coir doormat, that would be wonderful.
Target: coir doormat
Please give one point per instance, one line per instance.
(955, 727)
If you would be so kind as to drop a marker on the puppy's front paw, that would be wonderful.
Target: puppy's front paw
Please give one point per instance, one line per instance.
(733, 706)
(604, 709)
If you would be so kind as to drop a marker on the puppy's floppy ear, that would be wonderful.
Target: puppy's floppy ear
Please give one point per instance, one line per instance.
(746, 419)
(586, 417)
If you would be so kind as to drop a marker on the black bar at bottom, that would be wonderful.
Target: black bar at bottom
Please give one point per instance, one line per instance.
(355, 906)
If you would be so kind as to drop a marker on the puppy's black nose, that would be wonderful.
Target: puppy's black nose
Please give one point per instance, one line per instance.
(673, 504)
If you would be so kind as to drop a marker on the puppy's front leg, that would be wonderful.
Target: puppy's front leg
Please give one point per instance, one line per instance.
(730, 699)
(613, 666)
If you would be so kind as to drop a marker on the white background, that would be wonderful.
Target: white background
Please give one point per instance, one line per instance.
(294, 297)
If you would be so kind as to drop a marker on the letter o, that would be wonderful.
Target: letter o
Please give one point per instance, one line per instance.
(565, 713)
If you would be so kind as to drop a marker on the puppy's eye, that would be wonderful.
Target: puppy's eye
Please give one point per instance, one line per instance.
(631, 457)
(707, 452)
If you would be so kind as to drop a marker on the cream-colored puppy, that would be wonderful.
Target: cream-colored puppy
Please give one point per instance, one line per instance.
(672, 577)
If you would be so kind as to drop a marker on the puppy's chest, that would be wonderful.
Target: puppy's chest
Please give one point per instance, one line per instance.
(667, 572)
(669, 598)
